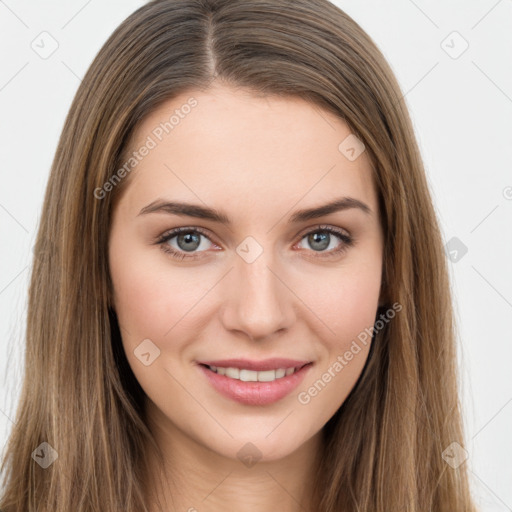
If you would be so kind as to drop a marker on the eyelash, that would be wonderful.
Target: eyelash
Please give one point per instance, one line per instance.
(347, 241)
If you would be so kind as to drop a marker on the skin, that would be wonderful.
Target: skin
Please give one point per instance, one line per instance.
(258, 160)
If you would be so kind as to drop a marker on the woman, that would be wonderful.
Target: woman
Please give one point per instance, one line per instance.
(300, 354)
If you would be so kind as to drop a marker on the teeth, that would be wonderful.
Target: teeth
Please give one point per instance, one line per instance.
(266, 376)
(251, 375)
(234, 373)
(282, 372)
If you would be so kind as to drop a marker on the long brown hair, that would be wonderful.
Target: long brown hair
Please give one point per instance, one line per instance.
(384, 446)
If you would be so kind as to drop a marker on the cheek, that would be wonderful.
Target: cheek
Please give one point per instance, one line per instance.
(149, 299)
(344, 350)
(138, 297)
(345, 301)
(347, 306)
(153, 304)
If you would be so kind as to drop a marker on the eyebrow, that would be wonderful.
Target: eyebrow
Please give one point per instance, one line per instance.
(203, 212)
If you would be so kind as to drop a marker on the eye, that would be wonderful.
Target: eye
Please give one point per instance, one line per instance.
(325, 237)
(188, 242)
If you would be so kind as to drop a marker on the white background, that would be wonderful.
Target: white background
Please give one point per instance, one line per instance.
(462, 112)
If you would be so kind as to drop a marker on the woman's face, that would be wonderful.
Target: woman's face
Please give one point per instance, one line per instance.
(254, 277)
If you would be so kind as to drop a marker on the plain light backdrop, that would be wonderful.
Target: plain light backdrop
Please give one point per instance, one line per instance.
(453, 61)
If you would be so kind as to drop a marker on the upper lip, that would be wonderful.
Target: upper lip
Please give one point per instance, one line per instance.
(266, 364)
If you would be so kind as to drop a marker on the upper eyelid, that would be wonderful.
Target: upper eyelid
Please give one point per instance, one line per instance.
(171, 233)
(321, 227)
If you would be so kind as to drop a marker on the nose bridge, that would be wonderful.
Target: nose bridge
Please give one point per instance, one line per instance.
(259, 303)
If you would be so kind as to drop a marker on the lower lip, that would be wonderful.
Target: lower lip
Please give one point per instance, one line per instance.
(255, 393)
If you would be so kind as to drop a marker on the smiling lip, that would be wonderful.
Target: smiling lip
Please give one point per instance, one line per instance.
(258, 366)
(255, 393)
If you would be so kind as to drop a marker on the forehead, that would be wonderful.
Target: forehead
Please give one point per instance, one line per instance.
(228, 146)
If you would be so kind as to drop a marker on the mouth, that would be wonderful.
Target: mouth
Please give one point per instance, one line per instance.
(247, 383)
(246, 375)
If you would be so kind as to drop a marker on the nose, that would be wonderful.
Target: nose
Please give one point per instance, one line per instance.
(258, 301)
